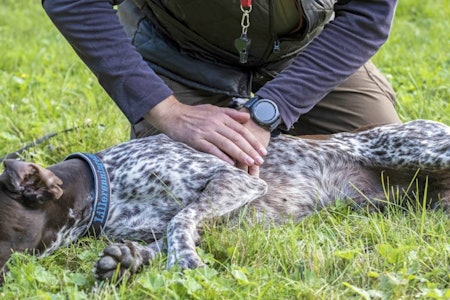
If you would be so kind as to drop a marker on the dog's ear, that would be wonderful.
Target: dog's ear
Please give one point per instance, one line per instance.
(30, 180)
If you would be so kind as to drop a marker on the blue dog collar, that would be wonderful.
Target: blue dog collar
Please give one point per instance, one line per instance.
(102, 193)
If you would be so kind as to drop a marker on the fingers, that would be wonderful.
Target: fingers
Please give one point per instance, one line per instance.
(214, 130)
(243, 135)
(245, 140)
(210, 148)
(223, 132)
(242, 144)
(243, 118)
(239, 143)
(229, 147)
(237, 115)
(251, 170)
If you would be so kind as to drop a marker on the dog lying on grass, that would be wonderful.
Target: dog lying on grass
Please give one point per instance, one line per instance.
(158, 191)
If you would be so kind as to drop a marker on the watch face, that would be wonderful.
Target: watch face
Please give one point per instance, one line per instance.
(265, 112)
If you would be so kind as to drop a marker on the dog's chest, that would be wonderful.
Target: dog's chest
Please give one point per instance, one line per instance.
(151, 180)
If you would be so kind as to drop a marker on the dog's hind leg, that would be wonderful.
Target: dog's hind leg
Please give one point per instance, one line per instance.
(418, 150)
(419, 144)
(225, 192)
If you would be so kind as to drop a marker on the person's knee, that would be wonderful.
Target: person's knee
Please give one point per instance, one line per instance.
(380, 82)
(142, 129)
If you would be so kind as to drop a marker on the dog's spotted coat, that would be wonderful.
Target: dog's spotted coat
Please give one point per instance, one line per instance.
(164, 189)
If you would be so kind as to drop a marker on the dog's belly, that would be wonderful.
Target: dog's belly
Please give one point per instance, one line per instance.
(309, 191)
(303, 178)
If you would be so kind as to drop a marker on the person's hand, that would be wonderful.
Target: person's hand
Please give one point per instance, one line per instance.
(224, 132)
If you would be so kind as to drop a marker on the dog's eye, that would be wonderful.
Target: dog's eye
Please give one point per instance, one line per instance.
(9, 191)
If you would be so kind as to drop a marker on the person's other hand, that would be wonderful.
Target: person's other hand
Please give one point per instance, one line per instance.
(224, 132)
(262, 135)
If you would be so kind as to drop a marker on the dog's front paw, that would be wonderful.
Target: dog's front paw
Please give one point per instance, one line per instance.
(121, 257)
(185, 259)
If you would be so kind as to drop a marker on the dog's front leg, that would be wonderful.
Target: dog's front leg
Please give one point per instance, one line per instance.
(127, 256)
(226, 192)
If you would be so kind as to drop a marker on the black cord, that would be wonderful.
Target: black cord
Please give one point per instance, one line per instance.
(16, 154)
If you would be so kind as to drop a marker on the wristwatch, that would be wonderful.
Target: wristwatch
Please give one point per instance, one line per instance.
(264, 112)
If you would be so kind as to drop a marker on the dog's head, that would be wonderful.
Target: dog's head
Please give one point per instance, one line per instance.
(27, 193)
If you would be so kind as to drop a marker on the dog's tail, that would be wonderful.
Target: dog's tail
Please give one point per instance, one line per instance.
(419, 144)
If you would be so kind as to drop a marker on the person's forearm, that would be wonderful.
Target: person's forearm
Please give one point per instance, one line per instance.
(94, 31)
(360, 28)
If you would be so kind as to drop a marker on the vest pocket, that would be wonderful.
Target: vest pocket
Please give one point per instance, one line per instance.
(167, 59)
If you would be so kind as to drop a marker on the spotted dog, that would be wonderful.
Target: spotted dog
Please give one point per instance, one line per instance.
(158, 191)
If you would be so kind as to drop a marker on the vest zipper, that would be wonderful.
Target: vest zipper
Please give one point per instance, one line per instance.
(276, 46)
(275, 42)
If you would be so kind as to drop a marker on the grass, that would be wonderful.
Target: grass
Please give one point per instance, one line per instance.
(335, 254)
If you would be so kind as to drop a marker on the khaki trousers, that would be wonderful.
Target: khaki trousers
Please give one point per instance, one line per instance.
(364, 98)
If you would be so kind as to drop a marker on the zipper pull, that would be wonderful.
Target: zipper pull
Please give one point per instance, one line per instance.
(276, 46)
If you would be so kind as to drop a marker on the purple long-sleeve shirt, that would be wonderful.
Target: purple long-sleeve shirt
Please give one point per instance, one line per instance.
(92, 28)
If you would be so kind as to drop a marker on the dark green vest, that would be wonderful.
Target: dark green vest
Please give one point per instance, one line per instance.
(193, 41)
